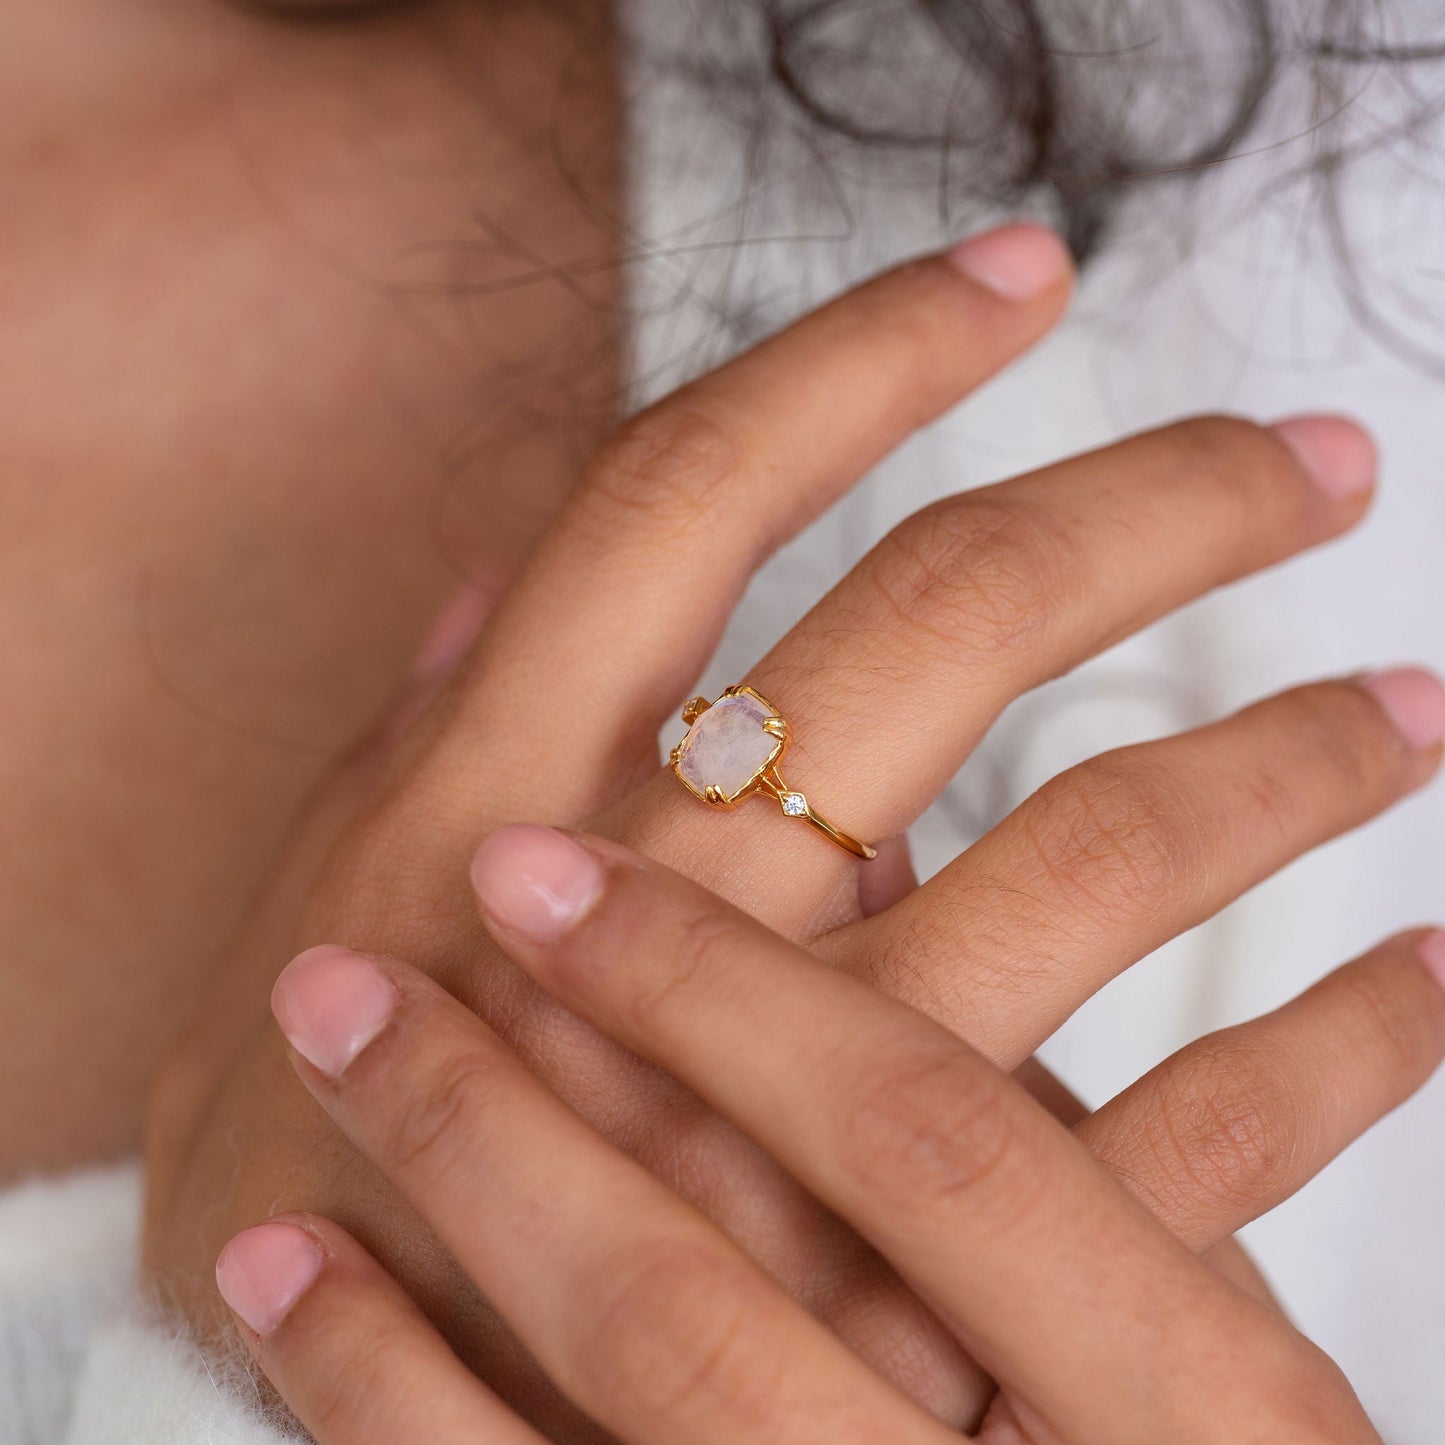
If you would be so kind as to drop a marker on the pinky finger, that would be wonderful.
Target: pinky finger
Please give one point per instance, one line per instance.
(1232, 1125)
(346, 1348)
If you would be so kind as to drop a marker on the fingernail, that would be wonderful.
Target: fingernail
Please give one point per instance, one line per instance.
(330, 1004)
(452, 633)
(1339, 454)
(1415, 702)
(1016, 262)
(1432, 952)
(534, 881)
(263, 1271)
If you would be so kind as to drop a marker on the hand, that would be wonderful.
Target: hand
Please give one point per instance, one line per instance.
(1100, 1328)
(887, 684)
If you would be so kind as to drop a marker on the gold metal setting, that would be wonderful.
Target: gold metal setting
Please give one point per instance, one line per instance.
(767, 780)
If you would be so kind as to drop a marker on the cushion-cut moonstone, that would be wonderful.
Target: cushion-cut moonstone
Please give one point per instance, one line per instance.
(727, 747)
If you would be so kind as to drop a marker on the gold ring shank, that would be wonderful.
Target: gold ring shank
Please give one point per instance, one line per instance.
(772, 783)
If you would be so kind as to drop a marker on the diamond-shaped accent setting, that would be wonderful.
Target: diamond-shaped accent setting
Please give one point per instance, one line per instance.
(795, 805)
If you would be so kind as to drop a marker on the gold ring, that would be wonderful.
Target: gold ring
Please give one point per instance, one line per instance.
(731, 751)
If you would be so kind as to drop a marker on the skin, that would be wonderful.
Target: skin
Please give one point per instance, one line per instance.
(244, 459)
(1031, 1255)
(888, 684)
(142, 613)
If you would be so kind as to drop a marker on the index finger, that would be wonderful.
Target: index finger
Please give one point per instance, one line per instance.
(1061, 1285)
(632, 585)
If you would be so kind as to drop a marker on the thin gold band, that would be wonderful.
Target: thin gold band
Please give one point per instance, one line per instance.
(772, 783)
(766, 779)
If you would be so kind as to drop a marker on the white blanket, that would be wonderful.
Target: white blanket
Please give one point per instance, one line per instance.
(82, 1360)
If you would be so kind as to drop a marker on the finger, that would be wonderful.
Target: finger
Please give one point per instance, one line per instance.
(890, 681)
(1053, 1278)
(1115, 857)
(889, 879)
(1230, 1259)
(1051, 1092)
(352, 1356)
(628, 593)
(635, 1306)
(1235, 1123)
(1227, 1257)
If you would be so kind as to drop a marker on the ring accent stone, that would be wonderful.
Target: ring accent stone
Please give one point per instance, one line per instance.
(731, 751)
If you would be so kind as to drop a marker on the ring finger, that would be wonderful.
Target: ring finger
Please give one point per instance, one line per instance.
(1233, 1124)
(889, 682)
(1116, 856)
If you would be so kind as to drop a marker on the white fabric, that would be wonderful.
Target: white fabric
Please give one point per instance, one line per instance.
(81, 1361)
(1249, 316)
(66, 1255)
(147, 1384)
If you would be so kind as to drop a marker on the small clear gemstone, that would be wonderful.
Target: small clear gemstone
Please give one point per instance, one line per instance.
(795, 805)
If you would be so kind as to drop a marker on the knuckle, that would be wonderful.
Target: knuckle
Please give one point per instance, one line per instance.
(700, 943)
(676, 1338)
(674, 467)
(1230, 452)
(1307, 1397)
(429, 1120)
(927, 1128)
(338, 1379)
(1121, 832)
(1338, 728)
(1407, 1037)
(983, 570)
(1229, 1129)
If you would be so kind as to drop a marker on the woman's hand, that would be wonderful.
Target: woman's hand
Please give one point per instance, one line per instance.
(1098, 1325)
(887, 683)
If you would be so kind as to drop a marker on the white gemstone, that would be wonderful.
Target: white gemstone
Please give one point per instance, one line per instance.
(726, 747)
(795, 805)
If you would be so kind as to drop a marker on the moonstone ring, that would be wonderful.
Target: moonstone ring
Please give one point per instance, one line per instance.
(731, 751)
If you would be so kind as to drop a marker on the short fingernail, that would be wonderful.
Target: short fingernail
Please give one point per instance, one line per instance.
(1016, 262)
(1432, 953)
(263, 1271)
(1339, 454)
(330, 1004)
(1415, 702)
(534, 881)
(453, 632)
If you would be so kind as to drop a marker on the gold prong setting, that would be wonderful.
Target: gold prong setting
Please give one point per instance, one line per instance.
(734, 753)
